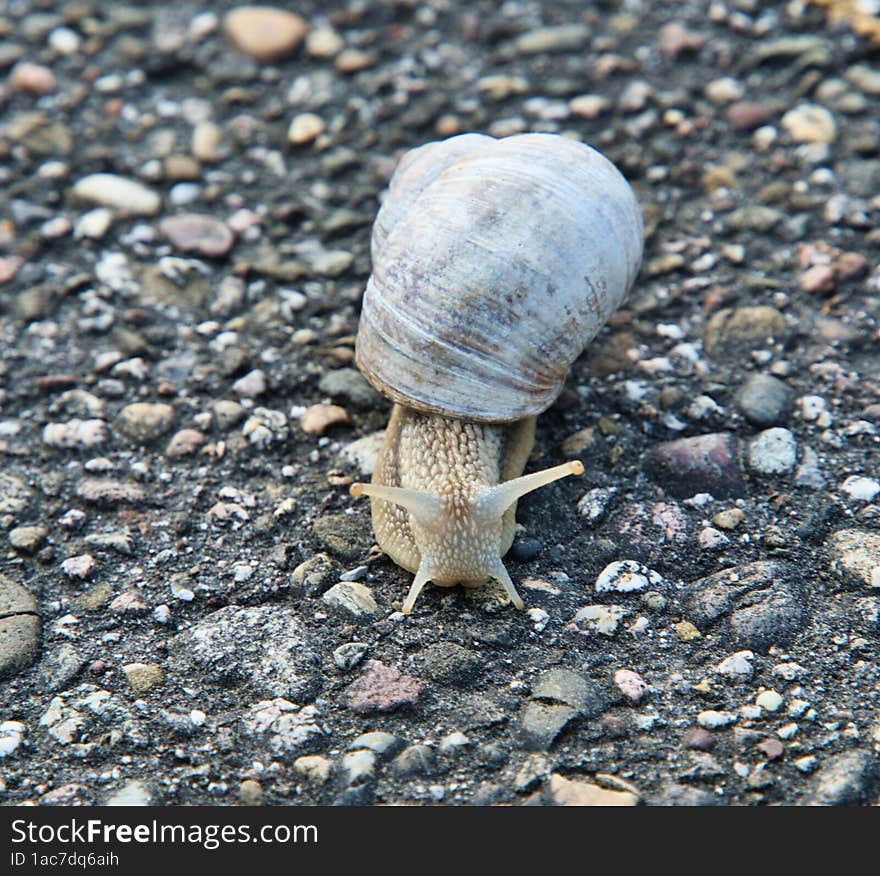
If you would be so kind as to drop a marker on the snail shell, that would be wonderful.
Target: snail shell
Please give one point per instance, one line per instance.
(495, 262)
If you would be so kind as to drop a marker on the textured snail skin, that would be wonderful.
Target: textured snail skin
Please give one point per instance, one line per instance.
(444, 496)
(494, 264)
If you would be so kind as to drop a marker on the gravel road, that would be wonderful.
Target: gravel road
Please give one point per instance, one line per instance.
(192, 606)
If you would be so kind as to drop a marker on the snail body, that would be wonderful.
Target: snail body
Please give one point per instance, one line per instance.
(494, 263)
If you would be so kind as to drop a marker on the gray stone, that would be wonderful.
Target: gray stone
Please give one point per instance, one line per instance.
(60, 667)
(844, 780)
(15, 494)
(28, 539)
(108, 492)
(348, 656)
(348, 383)
(765, 400)
(448, 663)
(353, 597)
(415, 760)
(539, 724)
(263, 649)
(764, 602)
(198, 234)
(565, 686)
(144, 422)
(378, 741)
(134, 793)
(773, 452)
(284, 727)
(345, 535)
(19, 628)
(855, 556)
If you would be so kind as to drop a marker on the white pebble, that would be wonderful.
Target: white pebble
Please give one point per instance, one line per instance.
(738, 664)
(769, 700)
(860, 488)
(626, 576)
(713, 720)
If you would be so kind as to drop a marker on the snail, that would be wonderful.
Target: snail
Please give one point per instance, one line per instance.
(495, 262)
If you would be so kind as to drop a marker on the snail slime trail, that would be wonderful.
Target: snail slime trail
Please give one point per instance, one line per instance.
(495, 262)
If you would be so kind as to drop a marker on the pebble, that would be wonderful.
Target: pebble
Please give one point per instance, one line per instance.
(126, 603)
(698, 739)
(738, 665)
(353, 597)
(283, 725)
(304, 129)
(415, 760)
(250, 792)
(93, 224)
(122, 194)
(860, 489)
(603, 619)
(772, 452)
(764, 400)
(631, 684)
(144, 422)
(686, 631)
(562, 791)
(382, 688)
(699, 464)
(710, 719)
(207, 138)
(28, 538)
(323, 42)
(331, 263)
(865, 77)
(571, 688)
(855, 556)
(589, 106)
(133, 793)
(561, 38)
(273, 651)
(540, 723)
(377, 741)
(143, 677)
(353, 60)
(75, 434)
(732, 331)
(64, 41)
(453, 743)
(197, 233)
(627, 576)
(19, 628)
(11, 735)
(845, 779)
(265, 427)
(265, 33)
(675, 38)
(728, 519)
(348, 383)
(29, 78)
(449, 664)
(109, 492)
(313, 768)
(80, 566)
(711, 539)
(746, 115)
(184, 443)
(253, 384)
(769, 700)
(726, 89)
(358, 766)
(316, 419)
(364, 452)
(810, 123)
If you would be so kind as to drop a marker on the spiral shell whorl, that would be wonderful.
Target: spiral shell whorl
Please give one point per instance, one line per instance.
(494, 263)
